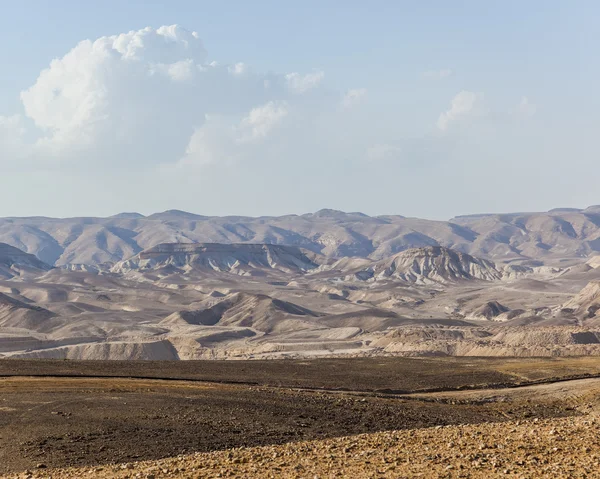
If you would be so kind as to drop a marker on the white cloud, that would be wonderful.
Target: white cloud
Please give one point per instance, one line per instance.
(463, 105)
(180, 71)
(150, 98)
(383, 152)
(261, 120)
(444, 73)
(143, 97)
(112, 91)
(353, 96)
(209, 144)
(162, 45)
(137, 98)
(302, 83)
(227, 140)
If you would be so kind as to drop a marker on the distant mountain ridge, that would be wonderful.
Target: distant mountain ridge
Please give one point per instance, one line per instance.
(560, 236)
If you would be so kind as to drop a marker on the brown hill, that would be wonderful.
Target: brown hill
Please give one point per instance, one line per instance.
(245, 310)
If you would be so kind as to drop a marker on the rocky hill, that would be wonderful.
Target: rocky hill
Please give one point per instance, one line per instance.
(432, 264)
(245, 310)
(556, 237)
(240, 259)
(586, 304)
(427, 265)
(14, 262)
(17, 314)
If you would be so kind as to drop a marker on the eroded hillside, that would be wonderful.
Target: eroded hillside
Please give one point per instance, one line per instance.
(245, 300)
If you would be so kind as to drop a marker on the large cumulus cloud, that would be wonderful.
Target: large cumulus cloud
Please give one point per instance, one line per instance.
(150, 97)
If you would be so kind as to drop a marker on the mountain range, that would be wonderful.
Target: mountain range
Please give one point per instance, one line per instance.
(180, 286)
(557, 237)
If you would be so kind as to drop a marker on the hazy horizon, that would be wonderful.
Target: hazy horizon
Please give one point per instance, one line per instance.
(208, 215)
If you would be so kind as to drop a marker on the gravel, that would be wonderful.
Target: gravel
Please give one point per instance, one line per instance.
(539, 448)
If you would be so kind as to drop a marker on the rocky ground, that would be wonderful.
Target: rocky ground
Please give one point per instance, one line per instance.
(553, 448)
(87, 422)
(527, 417)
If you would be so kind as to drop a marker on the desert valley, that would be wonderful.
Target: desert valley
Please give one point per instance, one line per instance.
(180, 286)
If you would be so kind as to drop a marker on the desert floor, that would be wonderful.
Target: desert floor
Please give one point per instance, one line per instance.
(402, 417)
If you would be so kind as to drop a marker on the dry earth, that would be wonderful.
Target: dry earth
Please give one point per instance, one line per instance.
(535, 448)
(392, 375)
(505, 414)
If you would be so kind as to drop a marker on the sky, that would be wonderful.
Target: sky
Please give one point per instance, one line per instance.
(430, 109)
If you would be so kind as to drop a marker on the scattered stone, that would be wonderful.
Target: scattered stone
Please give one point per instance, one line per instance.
(452, 451)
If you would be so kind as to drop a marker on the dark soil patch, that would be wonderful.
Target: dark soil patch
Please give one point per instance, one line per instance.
(357, 374)
(80, 421)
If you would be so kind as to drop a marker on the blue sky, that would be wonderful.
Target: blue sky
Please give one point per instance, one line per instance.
(520, 135)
